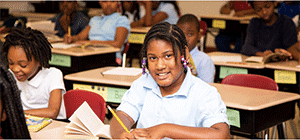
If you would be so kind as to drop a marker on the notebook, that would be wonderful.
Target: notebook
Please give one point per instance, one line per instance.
(35, 123)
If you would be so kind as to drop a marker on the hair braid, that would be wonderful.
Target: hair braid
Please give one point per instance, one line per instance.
(14, 126)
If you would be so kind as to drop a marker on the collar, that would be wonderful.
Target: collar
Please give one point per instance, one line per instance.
(37, 79)
(194, 50)
(183, 90)
(110, 16)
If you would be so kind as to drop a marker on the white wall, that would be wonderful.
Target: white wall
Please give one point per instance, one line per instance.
(17, 6)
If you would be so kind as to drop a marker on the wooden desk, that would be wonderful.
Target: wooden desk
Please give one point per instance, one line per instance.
(228, 23)
(110, 89)
(286, 75)
(226, 68)
(76, 59)
(257, 109)
(54, 130)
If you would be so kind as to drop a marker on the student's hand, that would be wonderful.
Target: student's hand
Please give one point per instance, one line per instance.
(67, 39)
(65, 20)
(278, 50)
(155, 132)
(267, 52)
(126, 135)
(82, 42)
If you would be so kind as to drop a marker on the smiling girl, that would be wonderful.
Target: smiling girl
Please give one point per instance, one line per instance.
(27, 52)
(169, 96)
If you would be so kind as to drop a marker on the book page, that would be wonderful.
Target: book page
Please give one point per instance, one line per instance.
(105, 132)
(73, 127)
(63, 45)
(257, 59)
(124, 71)
(74, 120)
(87, 116)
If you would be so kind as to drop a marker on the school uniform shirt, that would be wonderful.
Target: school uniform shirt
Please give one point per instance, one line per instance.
(170, 10)
(195, 104)
(78, 23)
(290, 10)
(260, 37)
(204, 65)
(104, 28)
(36, 92)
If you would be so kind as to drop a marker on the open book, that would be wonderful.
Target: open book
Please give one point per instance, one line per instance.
(35, 123)
(274, 57)
(85, 124)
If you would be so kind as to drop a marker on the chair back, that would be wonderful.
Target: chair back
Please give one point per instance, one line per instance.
(74, 98)
(250, 80)
(203, 27)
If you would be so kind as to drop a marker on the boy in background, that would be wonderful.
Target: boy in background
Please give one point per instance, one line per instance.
(205, 68)
(224, 38)
(69, 16)
(269, 33)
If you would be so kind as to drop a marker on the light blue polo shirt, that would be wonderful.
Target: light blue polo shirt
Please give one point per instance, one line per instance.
(104, 28)
(195, 104)
(204, 65)
(170, 10)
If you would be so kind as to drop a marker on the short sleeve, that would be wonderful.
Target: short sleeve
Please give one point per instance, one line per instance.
(123, 22)
(56, 81)
(206, 69)
(289, 36)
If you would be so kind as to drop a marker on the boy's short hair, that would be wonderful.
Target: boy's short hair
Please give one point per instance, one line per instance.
(252, 3)
(189, 18)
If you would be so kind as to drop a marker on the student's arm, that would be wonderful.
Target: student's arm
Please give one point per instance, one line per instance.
(138, 23)
(151, 20)
(83, 35)
(295, 51)
(249, 47)
(120, 37)
(244, 13)
(53, 108)
(65, 21)
(226, 8)
(217, 131)
(117, 131)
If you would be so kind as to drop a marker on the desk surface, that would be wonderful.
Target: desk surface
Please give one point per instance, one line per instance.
(54, 130)
(78, 51)
(31, 16)
(242, 64)
(227, 17)
(284, 65)
(140, 30)
(252, 98)
(95, 76)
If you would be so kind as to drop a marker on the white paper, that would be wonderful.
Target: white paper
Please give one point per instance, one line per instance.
(63, 45)
(124, 71)
(226, 58)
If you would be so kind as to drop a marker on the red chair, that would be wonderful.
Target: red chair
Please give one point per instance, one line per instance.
(250, 80)
(203, 30)
(254, 81)
(74, 98)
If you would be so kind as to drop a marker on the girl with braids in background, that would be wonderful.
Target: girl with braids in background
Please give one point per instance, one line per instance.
(27, 52)
(168, 101)
(12, 117)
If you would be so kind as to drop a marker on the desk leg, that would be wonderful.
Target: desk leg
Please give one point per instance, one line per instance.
(280, 131)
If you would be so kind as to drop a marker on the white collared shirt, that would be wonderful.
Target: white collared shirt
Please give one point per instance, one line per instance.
(36, 92)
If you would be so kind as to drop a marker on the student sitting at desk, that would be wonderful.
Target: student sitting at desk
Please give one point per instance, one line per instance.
(224, 38)
(133, 11)
(205, 68)
(27, 52)
(13, 125)
(269, 33)
(69, 17)
(157, 11)
(111, 29)
(168, 101)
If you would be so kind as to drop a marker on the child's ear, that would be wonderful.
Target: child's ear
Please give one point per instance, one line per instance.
(3, 117)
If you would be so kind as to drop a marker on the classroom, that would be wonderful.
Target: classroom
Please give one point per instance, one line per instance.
(150, 69)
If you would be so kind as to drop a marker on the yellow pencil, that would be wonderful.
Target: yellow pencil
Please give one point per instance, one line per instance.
(118, 119)
(69, 31)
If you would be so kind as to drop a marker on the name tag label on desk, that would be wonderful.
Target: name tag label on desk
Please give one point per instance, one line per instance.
(110, 94)
(60, 60)
(233, 117)
(224, 71)
(220, 24)
(136, 38)
(285, 77)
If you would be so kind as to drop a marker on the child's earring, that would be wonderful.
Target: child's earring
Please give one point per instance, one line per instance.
(144, 65)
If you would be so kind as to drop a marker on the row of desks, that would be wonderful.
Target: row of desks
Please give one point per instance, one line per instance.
(250, 110)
